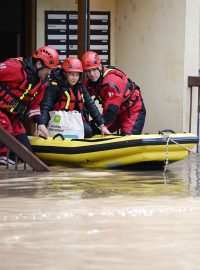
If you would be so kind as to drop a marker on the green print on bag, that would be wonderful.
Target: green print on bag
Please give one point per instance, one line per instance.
(57, 119)
(69, 124)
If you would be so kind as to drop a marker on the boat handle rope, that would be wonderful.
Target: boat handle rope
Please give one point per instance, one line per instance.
(168, 139)
(59, 135)
(166, 130)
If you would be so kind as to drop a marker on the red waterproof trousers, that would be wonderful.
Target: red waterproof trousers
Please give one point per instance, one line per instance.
(12, 125)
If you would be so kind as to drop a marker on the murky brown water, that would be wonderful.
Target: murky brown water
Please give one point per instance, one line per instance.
(93, 219)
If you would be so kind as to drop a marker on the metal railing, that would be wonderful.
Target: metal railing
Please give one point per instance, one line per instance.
(22, 152)
(194, 82)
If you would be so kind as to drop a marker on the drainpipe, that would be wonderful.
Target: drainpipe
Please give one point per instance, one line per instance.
(83, 27)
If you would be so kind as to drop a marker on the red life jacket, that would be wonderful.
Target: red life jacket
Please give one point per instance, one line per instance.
(69, 102)
(130, 86)
(15, 94)
(127, 90)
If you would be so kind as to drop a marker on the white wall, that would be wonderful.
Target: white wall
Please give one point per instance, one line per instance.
(191, 59)
(150, 48)
(158, 47)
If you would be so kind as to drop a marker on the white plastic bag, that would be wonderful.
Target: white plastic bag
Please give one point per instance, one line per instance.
(69, 124)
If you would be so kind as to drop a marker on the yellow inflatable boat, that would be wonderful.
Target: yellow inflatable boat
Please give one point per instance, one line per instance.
(115, 151)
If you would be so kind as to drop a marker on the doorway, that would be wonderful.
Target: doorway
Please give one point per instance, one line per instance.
(17, 28)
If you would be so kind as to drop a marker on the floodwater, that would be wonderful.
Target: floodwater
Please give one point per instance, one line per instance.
(98, 219)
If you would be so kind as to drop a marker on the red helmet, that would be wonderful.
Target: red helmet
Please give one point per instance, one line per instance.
(72, 64)
(91, 60)
(48, 55)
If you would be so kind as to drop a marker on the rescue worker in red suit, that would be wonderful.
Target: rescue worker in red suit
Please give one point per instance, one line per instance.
(123, 107)
(70, 94)
(22, 84)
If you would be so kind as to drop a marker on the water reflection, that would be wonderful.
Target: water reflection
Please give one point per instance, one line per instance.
(98, 219)
(180, 179)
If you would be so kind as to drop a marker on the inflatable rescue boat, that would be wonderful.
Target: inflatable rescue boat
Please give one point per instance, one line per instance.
(115, 151)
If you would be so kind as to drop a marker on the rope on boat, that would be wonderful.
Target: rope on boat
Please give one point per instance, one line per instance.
(168, 139)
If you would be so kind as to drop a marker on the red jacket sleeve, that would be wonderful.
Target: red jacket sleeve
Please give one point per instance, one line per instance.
(11, 72)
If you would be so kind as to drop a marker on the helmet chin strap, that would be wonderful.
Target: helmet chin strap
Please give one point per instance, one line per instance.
(101, 72)
(47, 78)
